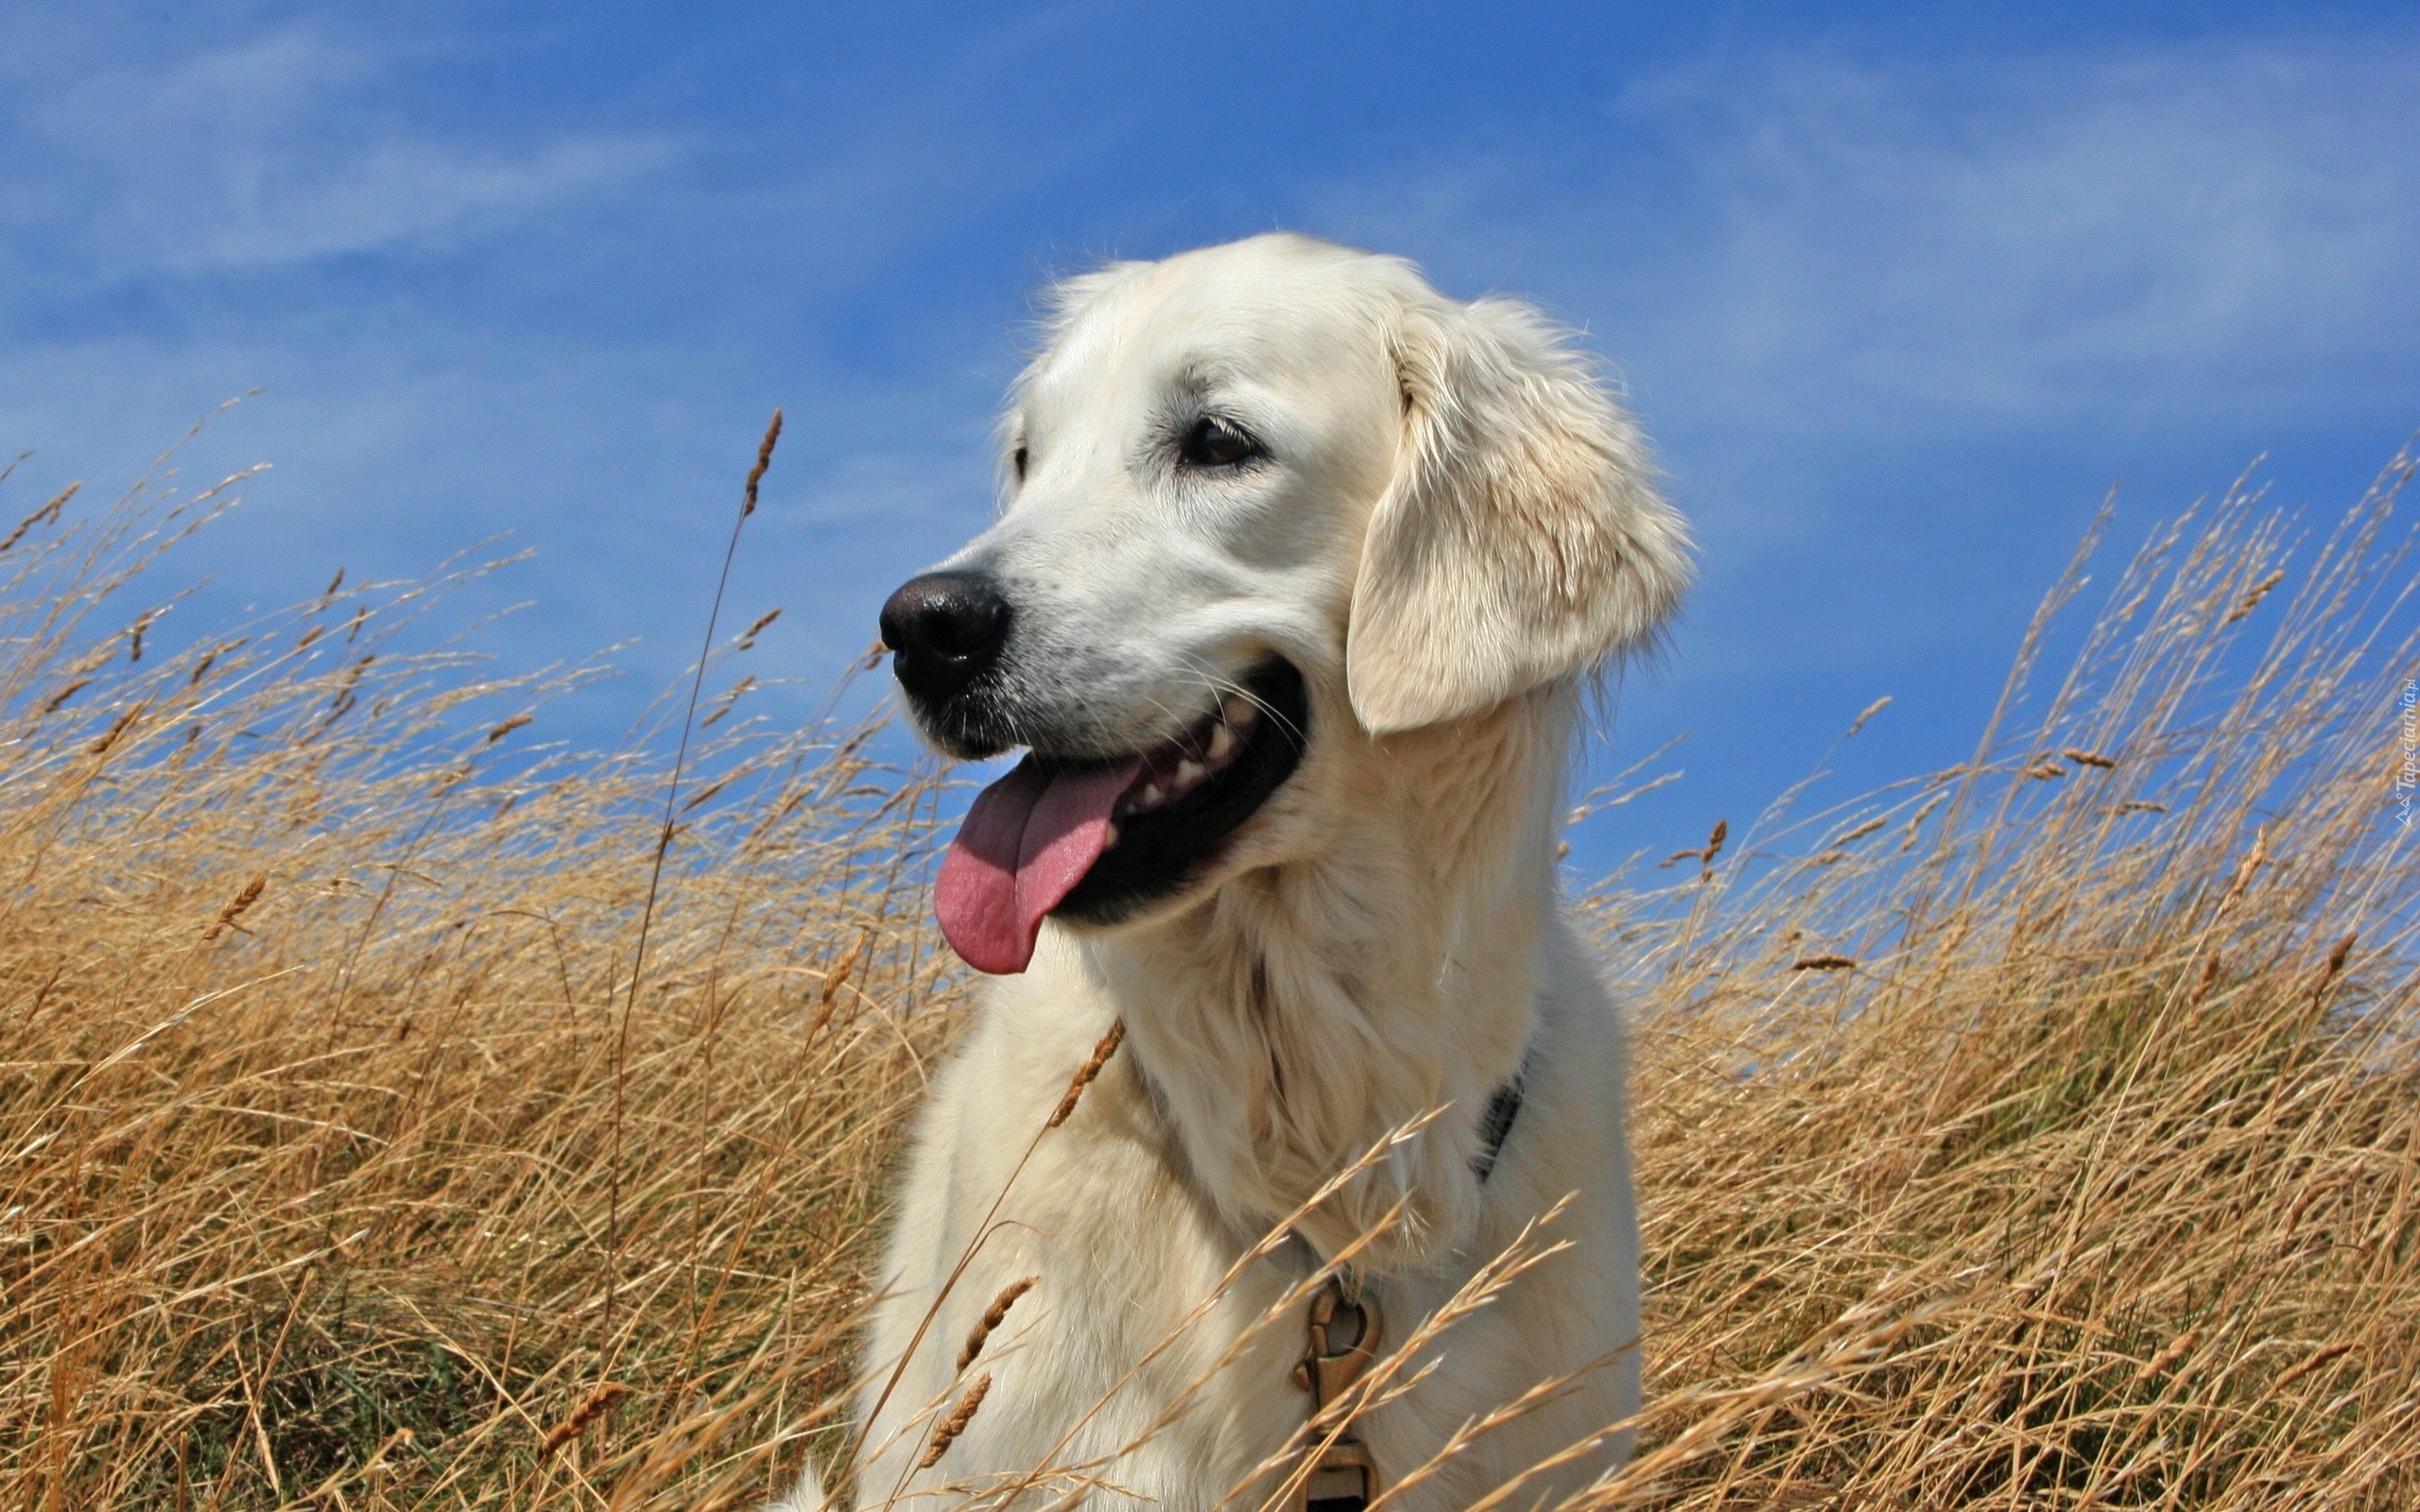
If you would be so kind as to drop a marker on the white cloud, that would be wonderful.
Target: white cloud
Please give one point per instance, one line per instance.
(2147, 234)
(271, 151)
(403, 428)
(1896, 325)
(1849, 250)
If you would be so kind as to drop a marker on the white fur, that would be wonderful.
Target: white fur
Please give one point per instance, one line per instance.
(1456, 530)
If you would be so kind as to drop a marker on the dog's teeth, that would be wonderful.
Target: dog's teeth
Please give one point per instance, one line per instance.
(1239, 712)
(1151, 798)
(1109, 837)
(1189, 775)
(1223, 742)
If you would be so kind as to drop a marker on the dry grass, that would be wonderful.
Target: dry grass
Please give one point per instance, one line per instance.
(2053, 1141)
(313, 982)
(2083, 1072)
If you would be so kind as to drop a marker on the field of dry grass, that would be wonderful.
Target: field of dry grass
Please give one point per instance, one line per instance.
(2041, 1133)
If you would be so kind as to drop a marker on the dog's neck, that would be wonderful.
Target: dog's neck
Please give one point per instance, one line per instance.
(1298, 1015)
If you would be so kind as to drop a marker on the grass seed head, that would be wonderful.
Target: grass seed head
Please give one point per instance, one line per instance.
(956, 1422)
(992, 1317)
(1085, 1073)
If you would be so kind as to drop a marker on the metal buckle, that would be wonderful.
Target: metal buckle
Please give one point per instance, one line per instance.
(1342, 1481)
(1346, 1330)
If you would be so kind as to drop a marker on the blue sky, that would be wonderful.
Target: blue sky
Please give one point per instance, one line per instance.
(1901, 291)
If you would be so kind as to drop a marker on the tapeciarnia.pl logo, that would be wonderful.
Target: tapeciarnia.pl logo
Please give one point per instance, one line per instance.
(2407, 777)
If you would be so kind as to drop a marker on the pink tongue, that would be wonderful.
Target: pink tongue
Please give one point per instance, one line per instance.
(1027, 841)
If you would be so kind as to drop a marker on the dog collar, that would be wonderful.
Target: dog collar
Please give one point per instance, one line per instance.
(1503, 1107)
(1346, 1330)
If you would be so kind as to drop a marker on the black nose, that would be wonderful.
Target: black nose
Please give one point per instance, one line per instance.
(947, 628)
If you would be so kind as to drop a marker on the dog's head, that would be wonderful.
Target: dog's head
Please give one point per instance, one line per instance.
(1265, 502)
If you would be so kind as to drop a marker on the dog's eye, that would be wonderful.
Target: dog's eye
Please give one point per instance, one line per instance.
(1215, 442)
(1017, 461)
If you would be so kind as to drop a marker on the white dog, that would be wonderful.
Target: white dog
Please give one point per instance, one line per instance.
(1303, 572)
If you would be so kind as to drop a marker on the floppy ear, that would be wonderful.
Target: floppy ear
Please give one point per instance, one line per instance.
(1521, 540)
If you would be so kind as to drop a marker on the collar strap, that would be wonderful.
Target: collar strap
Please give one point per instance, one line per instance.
(1503, 1107)
(1345, 1337)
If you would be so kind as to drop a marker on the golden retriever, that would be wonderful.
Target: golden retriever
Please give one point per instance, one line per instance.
(1302, 575)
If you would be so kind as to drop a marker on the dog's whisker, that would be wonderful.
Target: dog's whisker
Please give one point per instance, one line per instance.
(1222, 687)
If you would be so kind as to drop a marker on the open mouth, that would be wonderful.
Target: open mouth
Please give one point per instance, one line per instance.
(1094, 840)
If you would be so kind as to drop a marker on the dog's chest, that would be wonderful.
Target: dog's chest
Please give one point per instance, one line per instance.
(1158, 1340)
(1150, 1337)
